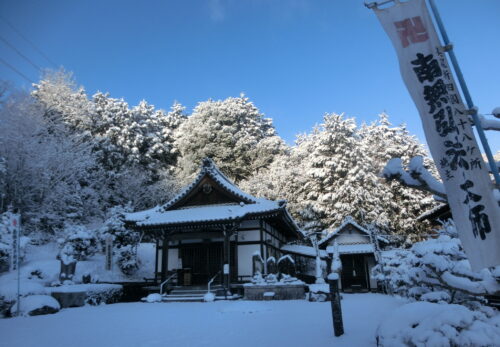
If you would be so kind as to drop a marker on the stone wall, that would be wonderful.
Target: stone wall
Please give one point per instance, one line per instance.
(282, 292)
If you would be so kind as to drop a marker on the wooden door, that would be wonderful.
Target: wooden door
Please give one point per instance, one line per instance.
(353, 272)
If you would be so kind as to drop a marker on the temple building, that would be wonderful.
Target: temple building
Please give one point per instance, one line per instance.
(357, 247)
(213, 227)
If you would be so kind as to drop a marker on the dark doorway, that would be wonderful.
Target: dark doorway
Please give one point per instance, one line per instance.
(203, 261)
(354, 273)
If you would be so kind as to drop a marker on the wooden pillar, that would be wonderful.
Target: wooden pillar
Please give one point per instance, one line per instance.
(226, 267)
(164, 257)
(338, 324)
(156, 260)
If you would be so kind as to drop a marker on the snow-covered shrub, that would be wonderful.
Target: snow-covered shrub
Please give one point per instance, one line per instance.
(8, 292)
(34, 305)
(103, 294)
(115, 226)
(128, 260)
(436, 270)
(125, 241)
(429, 324)
(82, 240)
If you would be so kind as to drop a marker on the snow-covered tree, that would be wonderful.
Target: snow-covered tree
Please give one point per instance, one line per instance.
(340, 180)
(131, 146)
(83, 241)
(66, 107)
(335, 171)
(141, 136)
(232, 132)
(47, 175)
(437, 270)
(382, 142)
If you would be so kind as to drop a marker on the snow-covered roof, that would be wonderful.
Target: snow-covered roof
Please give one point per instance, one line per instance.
(357, 248)
(351, 221)
(175, 212)
(304, 250)
(209, 168)
(205, 213)
(436, 210)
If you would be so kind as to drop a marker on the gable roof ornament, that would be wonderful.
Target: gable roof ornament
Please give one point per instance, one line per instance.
(208, 168)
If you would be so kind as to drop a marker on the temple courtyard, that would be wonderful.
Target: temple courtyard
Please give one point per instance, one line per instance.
(220, 323)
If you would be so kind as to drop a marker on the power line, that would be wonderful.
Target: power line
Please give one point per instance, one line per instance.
(20, 54)
(15, 70)
(29, 41)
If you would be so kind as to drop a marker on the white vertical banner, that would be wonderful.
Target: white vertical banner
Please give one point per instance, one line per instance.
(427, 75)
(15, 235)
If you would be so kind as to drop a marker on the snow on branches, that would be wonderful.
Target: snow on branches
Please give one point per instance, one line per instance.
(436, 270)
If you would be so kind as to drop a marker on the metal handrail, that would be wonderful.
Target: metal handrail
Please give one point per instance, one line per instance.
(165, 282)
(211, 281)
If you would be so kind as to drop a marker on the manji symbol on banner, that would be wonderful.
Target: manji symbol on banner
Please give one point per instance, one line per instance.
(448, 131)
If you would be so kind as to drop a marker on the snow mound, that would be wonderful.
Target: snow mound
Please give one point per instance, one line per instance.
(429, 324)
(209, 297)
(36, 305)
(154, 297)
(319, 288)
(8, 289)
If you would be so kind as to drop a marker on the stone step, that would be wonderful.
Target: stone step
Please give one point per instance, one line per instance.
(177, 298)
(185, 295)
(193, 292)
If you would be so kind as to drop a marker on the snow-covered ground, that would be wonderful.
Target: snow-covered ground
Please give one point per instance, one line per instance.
(220, 323)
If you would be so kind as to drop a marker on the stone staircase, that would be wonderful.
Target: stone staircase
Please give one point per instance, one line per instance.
(195, 294)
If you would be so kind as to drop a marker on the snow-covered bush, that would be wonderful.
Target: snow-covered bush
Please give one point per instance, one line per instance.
(34, 305)
(436, 270)
(115, 226)
(125, 241)
(128, 260)
(82, 240)
(98, 294)
(429, 324)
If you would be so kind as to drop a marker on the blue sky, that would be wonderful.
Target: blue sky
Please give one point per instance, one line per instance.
(294, 59)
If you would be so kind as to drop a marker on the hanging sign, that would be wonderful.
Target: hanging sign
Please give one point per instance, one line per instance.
(447, 128)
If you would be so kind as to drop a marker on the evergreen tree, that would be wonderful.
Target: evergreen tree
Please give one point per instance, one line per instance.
(382, 142)
(232, 132)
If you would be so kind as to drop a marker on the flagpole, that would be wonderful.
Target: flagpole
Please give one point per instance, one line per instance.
(18, 231)
(466, 93)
